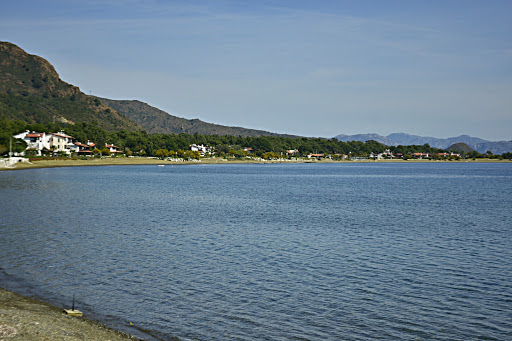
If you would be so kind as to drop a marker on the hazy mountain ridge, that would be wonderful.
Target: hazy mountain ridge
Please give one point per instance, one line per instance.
(154, 120)
(395, 139)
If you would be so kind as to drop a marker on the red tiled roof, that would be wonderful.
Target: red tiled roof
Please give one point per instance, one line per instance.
(35, 135)
(62, 135)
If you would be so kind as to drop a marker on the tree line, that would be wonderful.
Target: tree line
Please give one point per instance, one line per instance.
(162, 145)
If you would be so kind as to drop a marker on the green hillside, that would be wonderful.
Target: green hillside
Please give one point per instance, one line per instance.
(31, 91)
(154, 121)
(460, 148)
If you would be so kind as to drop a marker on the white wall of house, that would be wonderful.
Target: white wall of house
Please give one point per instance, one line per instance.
(36, 141)
(59, 142)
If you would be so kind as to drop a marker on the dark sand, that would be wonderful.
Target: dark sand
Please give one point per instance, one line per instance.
(23, 318)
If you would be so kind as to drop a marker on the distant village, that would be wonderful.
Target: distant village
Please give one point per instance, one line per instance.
(61, 144)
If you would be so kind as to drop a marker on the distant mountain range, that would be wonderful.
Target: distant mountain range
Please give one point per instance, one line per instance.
(395, 139)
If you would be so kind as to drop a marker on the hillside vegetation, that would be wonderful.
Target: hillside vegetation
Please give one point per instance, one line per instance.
(460, 148)
(154, 120)
(31, 91)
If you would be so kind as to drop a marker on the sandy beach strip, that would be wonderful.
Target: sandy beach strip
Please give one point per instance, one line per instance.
(24, 318)
(119, 161)
(125, 161)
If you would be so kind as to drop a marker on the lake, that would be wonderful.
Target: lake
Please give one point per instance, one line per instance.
(348, 251)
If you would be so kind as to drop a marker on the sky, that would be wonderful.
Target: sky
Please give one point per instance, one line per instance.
(318, 68)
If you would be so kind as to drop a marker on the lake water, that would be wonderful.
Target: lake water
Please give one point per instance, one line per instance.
(352, 251)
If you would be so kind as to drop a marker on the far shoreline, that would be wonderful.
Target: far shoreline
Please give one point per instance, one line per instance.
(125, 161)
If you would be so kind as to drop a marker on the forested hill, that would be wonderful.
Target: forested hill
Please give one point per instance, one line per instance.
(154, 120)
(31, 91)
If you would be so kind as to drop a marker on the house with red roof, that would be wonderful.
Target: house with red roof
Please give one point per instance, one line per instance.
(83, 149)
(312, 155)
(60, 142)
(421, 155)
(38, 142)
(47, 142)
(113, 149)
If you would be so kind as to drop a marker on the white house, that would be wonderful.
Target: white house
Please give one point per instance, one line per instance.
(113, 149)
(313, 155)
(200, 148)
(83, 149)
(60, 142)
(38, 142)
(35, 141)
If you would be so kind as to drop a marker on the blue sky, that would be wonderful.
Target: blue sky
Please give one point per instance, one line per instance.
(311, 68)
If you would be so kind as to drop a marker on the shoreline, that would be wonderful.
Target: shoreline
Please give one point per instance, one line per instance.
(123, 161)
(27, 318)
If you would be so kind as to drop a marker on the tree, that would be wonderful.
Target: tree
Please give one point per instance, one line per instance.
(269, 155)
(191, 154)
(105, 151)
(162, 153)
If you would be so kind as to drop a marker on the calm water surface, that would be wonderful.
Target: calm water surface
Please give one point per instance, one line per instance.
(268, 252)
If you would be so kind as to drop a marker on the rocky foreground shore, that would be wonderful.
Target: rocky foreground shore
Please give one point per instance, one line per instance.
(23, 318)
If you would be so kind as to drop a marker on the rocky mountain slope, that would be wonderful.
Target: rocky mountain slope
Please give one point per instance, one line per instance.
(32, 91)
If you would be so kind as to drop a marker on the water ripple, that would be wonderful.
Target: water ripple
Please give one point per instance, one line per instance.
(249, 252)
